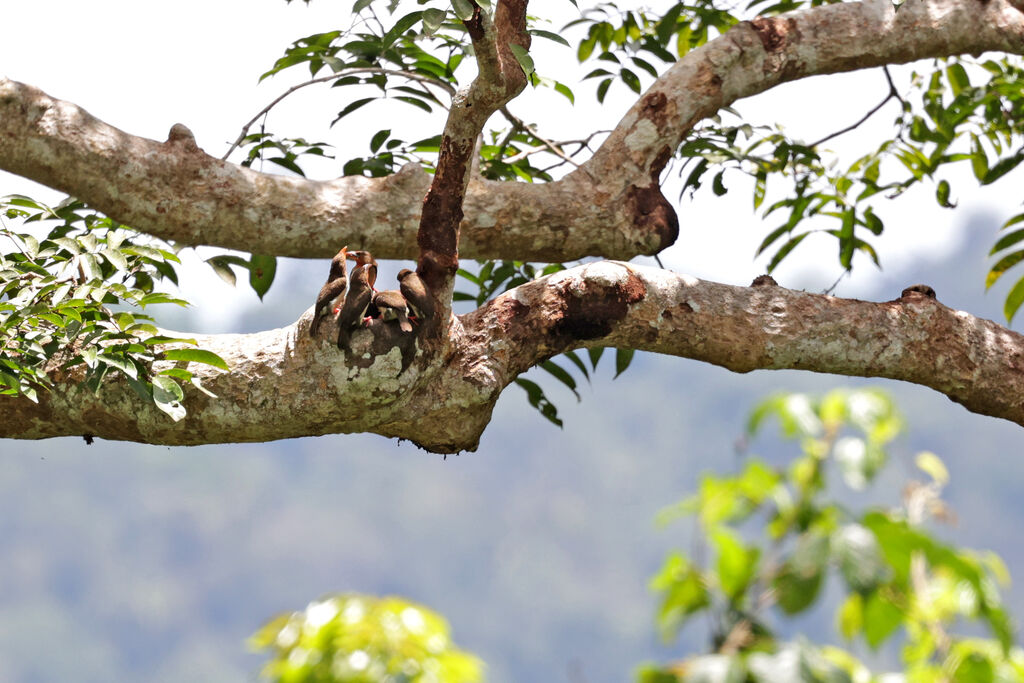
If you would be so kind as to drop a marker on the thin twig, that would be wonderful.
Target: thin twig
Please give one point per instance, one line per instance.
(322, 79)
(552, 147)
(893, 94)
(835, 284)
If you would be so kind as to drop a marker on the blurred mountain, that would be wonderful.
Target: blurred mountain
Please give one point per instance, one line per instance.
(128, 562)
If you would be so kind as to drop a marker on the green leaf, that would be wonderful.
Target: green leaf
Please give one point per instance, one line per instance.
(463, 9)
(942, 195)
(562, 375)
(957, 76)
(595, 353)
(859, 557)
(736, 564)
(119, 362)
(360, 5)
(1007, 240)
(881, 619)
(798, 582)
(161, 339)
(168, 395)
(378, 139)
(90, 266)
(400, 27)
(933, 466)
(415, 102)
(261, 273)
(196, 356)
(717, 186)
(523, 57)
(1014, 300)
(351, 107)
(223, 270)
(575, 360)
(432, 20)
(565, 91)
(796, 592)
(784, 250)
(685, 593)
(630, 79)
(1001, 266)
(535, 395)
(851, 616)
(116, 258)
(623, 357)
(550, 36)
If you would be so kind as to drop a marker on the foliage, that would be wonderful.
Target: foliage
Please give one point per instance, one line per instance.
(69, 267)
(774, 534)
(361, 639)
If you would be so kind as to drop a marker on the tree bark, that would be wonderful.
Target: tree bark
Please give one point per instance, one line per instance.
(283, 384)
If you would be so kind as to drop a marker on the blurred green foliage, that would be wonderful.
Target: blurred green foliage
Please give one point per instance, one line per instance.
(361, 639)
(771, 536)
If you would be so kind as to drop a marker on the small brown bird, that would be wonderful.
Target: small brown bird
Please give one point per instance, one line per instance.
(332, 290)
(415, 292)
(360, 294)
(392, 306)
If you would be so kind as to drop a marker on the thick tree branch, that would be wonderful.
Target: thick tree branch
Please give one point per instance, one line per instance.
(612, 206)
(284, 384)
(500, 78)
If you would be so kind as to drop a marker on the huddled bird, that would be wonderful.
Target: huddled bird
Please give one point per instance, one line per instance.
(392, 306)
(359, 297)
(415, 292)
(332, 291)
(362, 300)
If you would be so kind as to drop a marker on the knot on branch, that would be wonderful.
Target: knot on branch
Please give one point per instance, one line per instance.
(653, 213)
(180, 135)
(775, 32)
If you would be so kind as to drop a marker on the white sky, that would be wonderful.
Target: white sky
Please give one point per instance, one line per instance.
(144, 66)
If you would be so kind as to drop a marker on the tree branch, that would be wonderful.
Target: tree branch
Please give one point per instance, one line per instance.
(611, 206)
(500, 79)
(283, 384)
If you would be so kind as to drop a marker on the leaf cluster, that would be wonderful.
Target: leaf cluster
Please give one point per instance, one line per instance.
(72, 294)
(628, 40)
(351, 638)
(897, 575)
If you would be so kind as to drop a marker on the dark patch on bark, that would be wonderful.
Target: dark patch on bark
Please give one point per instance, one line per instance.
(652, 108)
(475, 25)
(653, 213)
(386, 336)
(764, 281)
(507, 310)
(774, 32)
(592, 313)
(438, 235)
